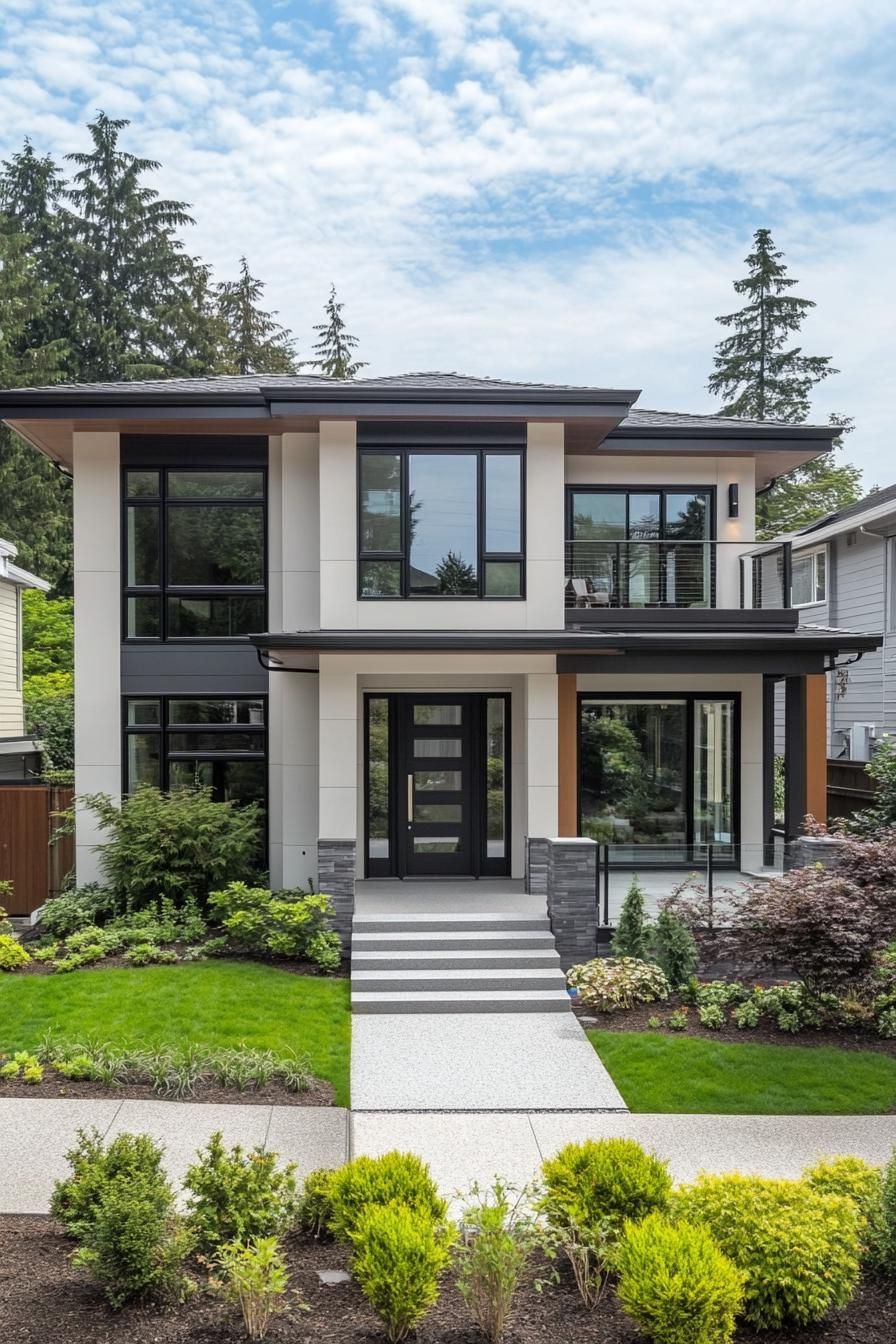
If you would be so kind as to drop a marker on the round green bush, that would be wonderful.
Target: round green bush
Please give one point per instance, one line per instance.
(798, 1248)
(397, 1259)
(394, 1176)
(856, 1180)
(603, 1182)
(676, 1283)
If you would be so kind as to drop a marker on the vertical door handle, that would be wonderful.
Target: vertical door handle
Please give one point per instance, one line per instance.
(410, 800)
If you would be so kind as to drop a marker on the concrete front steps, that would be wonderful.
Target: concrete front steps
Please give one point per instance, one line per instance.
(444, 963)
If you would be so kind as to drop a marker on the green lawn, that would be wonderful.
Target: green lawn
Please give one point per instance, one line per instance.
(685, 1074)
(215, 1003)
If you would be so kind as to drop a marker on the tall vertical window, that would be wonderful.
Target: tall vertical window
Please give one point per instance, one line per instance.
(194, 562)
(440, 524)
(658, 775)
(183, 741)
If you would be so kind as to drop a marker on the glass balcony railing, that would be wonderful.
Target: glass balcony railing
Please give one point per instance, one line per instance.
(676, 574)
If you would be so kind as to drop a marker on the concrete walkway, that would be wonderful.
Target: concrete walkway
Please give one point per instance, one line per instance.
(35, 1136)
(477, 1062)
(461, 1149)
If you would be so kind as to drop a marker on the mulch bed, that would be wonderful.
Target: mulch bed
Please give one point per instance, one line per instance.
(766, 1033)
(121, 963)
(274, 1093)
(42, 1297)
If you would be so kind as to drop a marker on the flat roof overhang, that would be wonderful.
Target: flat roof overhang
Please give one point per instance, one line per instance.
(776, 653)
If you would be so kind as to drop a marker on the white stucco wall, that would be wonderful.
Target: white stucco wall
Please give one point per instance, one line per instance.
(97, 587)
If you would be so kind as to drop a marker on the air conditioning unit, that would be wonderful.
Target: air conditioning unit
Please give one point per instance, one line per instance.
(861, 741)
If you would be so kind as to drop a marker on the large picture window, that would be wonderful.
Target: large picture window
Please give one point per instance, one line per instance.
(440, 524)
(194, 553)
(181, 741)
(642, 548)
(658, 776)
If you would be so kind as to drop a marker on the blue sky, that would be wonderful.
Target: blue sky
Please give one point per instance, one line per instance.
(545, 189)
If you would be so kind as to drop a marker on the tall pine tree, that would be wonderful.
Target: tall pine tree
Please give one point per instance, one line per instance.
(253, 341)
(335, 350)
(761, 376)
(131, 265)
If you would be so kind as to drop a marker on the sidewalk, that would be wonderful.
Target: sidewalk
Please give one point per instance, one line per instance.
(35, 1136)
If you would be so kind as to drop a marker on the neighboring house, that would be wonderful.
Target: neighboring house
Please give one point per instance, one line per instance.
(844, 573)
(430, 621)
(20, 756)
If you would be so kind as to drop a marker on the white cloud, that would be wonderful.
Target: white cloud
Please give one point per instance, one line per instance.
(545, 188)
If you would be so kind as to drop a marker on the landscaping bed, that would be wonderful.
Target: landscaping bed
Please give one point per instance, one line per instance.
(55, 1085)
(42, 1296)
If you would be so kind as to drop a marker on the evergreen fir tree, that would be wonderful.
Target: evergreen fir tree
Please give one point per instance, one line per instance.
(35, 498)
(762, 377)
(455, 575)
(674, 948)
(130, 264)
(632, 936)
(336, 347)
(253, 341)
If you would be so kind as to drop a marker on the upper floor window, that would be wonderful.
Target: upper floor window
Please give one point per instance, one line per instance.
(809, 580)
(194, 553)
(440, 523)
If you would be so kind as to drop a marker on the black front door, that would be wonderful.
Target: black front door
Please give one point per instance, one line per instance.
(435, 784)
(437, 791)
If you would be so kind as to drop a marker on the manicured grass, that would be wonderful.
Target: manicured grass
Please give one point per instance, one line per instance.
(685, 1074)
(215, 1003)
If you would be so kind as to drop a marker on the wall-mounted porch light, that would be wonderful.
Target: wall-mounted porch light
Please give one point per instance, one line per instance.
(733, 500)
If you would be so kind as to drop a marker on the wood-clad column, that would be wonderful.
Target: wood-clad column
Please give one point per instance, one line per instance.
(817, 746)
(568, 754)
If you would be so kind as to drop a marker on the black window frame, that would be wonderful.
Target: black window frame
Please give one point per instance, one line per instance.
(690, 698)
(648, 488)
(162, 591)
(402, 556)
(163, 729)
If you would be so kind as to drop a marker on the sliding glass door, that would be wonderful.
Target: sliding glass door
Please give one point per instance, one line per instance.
(657, 776)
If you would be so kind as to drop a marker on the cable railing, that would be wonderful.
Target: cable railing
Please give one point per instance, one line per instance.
(675, 574)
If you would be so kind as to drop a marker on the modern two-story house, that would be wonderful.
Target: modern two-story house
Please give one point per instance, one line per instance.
(434, 622)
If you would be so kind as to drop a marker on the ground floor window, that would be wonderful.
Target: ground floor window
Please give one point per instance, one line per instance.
(180, 741)
(659, 774)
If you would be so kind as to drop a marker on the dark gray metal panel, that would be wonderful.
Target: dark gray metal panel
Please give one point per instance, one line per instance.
(795, 756)
(768, 663)
(150, 450)
(682, 620)
(433, 433)
(169, 669)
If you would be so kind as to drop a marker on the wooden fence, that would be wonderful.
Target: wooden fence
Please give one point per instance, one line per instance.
(849, 788)
(35, 867)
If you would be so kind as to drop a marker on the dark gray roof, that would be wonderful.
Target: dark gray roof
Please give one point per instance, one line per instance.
(852, 510)
(639, 417)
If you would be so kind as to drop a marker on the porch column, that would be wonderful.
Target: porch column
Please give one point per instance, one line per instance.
(541, 754)
(338, 789)
(567, 754)
(805, 760)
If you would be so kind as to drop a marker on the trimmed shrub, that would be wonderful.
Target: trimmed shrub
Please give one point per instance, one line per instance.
(632, 935)
(603, 1179)
(130, 1159)
(75, 909)
(235, 1195)
(393, 1176)
(255, 1277)
(609, 983)
(498, 1240)
(676, 1284)
(134, 1245)
(12, 954)
(711, 1016)
(398, 1257)
(590, 1189)
(856, 1180)
(885, 1249)
(316, 1207)
(674, 948)
(799, 1249)
(288, 924)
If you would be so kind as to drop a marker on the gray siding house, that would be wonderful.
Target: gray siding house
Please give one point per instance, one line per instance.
(843, 575)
